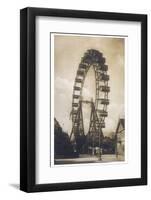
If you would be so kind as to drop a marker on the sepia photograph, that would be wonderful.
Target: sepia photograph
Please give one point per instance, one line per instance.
(89, 98)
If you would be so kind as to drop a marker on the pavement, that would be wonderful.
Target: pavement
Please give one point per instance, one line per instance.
(90, 159)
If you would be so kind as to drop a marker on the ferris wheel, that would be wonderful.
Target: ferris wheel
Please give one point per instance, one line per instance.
(92, 58)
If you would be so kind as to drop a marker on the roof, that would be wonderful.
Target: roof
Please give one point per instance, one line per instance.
(122, 122)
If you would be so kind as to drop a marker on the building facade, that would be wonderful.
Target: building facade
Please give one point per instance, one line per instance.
(120, 138)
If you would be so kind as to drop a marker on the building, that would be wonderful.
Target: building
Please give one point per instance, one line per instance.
(120, 138)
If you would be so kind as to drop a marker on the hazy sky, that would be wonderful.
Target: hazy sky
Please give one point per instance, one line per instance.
(68, 50)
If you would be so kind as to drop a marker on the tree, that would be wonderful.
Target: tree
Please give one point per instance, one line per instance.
(63, 146)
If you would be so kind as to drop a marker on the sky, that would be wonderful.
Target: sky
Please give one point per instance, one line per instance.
(68, 50)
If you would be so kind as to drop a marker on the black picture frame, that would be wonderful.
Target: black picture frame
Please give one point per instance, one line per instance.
(28, 98)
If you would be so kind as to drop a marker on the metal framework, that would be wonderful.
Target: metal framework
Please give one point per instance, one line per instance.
(95, 59)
